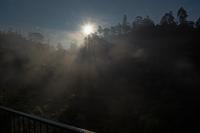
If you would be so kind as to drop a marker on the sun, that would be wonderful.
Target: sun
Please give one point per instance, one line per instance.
(88, 29)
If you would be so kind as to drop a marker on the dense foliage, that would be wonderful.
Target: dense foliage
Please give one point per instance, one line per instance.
(138, 77)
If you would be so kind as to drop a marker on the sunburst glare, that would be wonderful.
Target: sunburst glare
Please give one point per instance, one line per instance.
(88, 29)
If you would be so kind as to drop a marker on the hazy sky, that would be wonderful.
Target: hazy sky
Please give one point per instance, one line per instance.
(68, 15)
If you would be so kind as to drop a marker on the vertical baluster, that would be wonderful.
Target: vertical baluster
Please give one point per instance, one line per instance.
(23, 125)
(34, 127)
(55, 130)
(47, 128)
(40, 127)
(19, 124)
(29, 126)
(13, 123)
(12, 118)
(58, 130)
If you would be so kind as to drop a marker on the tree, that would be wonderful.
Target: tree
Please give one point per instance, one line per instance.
(198, 23)
(59, 47)
(73, 46)
(38, 37)
(182, 15)
(119, 29)
(144, 23)
(113, 30)
(138, 21)
(100, 30)
(148, 22)
(125, 25)
(168, 19)
(106, 32)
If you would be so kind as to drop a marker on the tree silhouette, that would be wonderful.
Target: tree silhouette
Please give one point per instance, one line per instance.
(138, 21)
(118, 28)
(106, 32)
(182, 15)
(113, 30)
(125, 25)
(144, 23)
(198, 23)
(100, 30)
(168, 19)
(148, 22)
(36, 37)
(59, 47)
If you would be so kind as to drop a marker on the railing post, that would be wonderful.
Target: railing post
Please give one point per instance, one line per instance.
(5, 122)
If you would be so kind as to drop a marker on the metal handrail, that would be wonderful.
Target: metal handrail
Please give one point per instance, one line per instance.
(45, 121)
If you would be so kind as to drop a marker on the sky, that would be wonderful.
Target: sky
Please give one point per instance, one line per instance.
(63, 18)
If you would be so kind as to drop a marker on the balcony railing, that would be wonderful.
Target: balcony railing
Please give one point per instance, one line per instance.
(12, 121)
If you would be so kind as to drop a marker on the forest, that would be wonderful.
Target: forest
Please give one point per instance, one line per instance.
(133, 77)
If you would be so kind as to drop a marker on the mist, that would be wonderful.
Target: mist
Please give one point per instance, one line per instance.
(135, 76)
